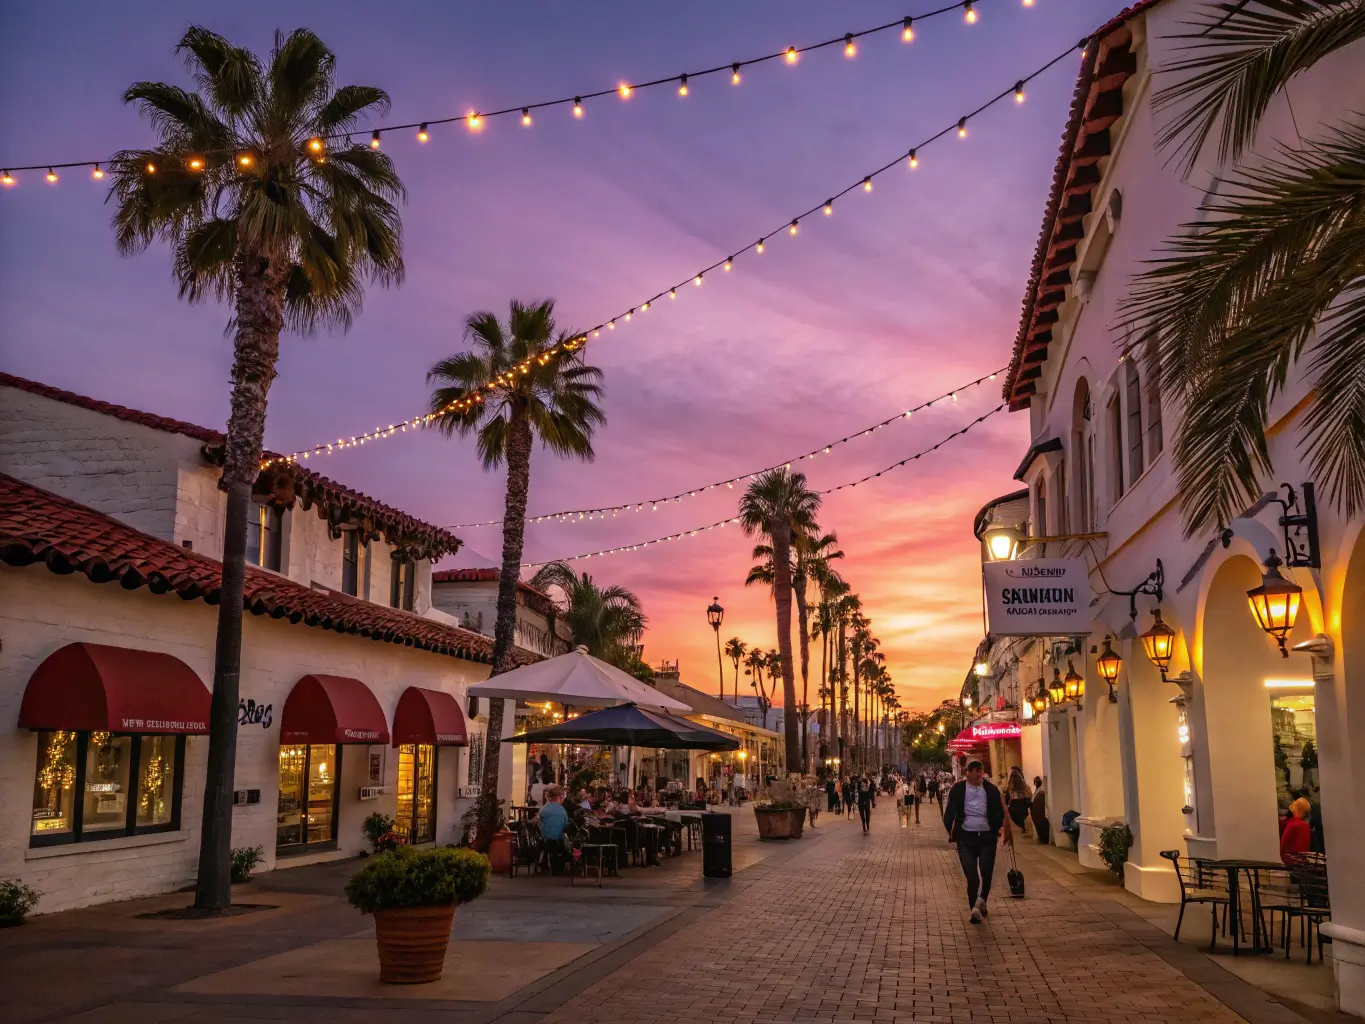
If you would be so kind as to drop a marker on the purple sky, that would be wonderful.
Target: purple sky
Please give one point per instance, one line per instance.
(901, 295)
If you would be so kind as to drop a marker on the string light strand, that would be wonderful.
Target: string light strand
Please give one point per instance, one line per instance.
(575, 344)
(684, 534)
(577, 514)
(475, 119)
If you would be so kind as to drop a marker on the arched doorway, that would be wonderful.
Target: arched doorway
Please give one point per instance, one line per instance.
(1253, 703)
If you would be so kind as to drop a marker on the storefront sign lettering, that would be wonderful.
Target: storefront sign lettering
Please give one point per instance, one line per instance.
(997, 730)
(360, 734)
(162, 725)
(251, 713)
(450, 737)
(1037, 597)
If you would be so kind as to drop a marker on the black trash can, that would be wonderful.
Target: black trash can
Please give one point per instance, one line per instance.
(715, 845)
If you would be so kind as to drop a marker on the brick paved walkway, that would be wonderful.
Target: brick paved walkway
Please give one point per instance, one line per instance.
(858, 928)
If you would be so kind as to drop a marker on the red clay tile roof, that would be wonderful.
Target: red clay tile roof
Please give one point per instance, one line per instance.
(39, 526)
(336, 502)
(1096, 104)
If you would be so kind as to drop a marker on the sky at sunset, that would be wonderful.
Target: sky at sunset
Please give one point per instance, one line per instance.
(901, 295)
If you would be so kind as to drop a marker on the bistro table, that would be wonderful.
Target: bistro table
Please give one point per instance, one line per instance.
(1253, 868)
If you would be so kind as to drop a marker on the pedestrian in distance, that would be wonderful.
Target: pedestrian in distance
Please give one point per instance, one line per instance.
(867, 792)
(921, 792)
(935, 791)
(1038, 811)
(832, 795)
(903, 795)
(850, 798)
(975, 817)
(1019, 797)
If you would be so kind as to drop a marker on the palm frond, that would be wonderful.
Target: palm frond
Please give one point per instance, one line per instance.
(343, 111)
(1244, 55)
(229, 74)
(300, 75)
(1334, 427)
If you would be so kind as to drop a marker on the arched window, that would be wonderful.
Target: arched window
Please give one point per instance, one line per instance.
(1113, 426)
(1063, 496)
(1040, 524)
(1133, 399)
(1083, 451)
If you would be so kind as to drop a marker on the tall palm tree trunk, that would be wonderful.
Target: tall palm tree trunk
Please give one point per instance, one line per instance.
(256, 350)
(857, 707)
(824, 682)
(782, 594)
(504, 630)
(803, 633)
(843, 689)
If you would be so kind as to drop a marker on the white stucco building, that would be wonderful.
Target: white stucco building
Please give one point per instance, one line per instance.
(352, 699)
(1203, 763)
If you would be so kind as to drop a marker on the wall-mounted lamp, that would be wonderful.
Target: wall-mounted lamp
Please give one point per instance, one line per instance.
(1275, 603)
(1056, 689)
(1159, 643)
(1074, 682)
(1108, 664)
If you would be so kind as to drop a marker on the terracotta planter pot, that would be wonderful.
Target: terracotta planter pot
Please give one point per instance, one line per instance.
(500, 851)
(774, 824)
(412, 943)
(798, 823)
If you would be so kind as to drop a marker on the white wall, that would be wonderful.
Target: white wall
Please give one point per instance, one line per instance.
(41, 612)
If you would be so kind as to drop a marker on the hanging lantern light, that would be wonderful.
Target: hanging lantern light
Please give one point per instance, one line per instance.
(1275, 603)
(1039, 699)
(1074, 683)
(1002, 543)
(1056, 689)
(1159, 643)
(1108, 664)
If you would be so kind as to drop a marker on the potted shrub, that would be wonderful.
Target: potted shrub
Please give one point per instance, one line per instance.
(376, 828)
(16, 900)
(1115, 842)
(781, 815)
(413, 895)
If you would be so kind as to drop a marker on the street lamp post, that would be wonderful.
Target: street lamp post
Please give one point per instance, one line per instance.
(714, 615)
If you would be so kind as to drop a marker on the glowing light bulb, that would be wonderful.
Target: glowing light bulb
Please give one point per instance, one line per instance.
(525, 115)
(629, 313)
(682, 85)
(962, 128)
(908, 30)
(474, 121)
(422, 135)
(244, 159)
(624, 90)
(195, 165)
(672, 293)
(6, 179)
(611, 325)
(759, 246)
(727, 264)
(734, 74)
(914, 160)
(792, 229)
(374, 139)
(867, 183)
(829, 207)
(315, 145)
(697, 280)
(792, 55)
(850, 50)
(97, 174)
(644, 307)
(1018, 92)
(1028, 3)
(577, 107)
(151, 167)
(51, 176)
(968, 12)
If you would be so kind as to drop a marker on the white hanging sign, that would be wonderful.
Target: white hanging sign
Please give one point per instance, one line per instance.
(1037, 597)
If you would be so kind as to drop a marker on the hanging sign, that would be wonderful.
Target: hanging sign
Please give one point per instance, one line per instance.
(1037, 597)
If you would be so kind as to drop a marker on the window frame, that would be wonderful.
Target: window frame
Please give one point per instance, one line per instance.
(131, 827)
(431, 778)
(268, 521)
(403, 584)
(1132, 386)
(325, 845)
(1114, 427)
(350, 557)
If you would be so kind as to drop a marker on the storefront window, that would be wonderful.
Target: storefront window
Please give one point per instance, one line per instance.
(417, 792)
(1294, 736)
(115, 799)
(308, 795)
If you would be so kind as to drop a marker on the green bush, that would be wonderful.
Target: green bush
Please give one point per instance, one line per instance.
(1115, 841)
(245, 860)
(16, 899)
(376, 826)
(407, 877)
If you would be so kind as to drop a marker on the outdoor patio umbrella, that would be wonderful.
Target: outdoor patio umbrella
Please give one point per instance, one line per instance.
(631, 726)
(578, 680)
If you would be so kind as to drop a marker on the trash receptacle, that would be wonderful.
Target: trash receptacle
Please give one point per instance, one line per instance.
(715, 845)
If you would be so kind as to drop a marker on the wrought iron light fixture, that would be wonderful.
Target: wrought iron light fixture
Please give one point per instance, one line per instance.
(1074, 682)
(1275, 603)
(1159, 643)
(1108, 664)
(1056, 689)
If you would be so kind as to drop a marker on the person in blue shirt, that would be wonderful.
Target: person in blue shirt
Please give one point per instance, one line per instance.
(553, 819)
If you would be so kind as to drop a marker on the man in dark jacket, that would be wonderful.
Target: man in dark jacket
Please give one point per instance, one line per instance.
(974, 818)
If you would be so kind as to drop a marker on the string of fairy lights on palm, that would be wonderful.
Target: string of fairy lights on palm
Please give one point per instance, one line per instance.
(475, 121)
(584, 514)
(574, 344)
(734, 520)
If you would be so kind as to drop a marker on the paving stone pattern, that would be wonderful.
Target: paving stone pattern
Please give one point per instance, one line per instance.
(874, 928)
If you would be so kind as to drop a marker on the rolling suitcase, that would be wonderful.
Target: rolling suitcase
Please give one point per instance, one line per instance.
(1015, 877)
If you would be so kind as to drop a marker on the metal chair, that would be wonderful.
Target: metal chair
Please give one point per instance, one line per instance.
(585, 854)
(528, 849)
(1305, 898)
(1199, 884)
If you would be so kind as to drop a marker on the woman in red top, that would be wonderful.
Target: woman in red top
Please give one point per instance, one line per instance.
(1296, 837)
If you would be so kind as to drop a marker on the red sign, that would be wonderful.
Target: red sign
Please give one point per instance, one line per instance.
(997, 730)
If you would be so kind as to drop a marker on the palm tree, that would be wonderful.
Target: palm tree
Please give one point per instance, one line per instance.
(812, 554)
(734, 650)
(554, 399)
(1272, 272)
(848, 606)
(757, 663)
(778, 504)
(255, 215)
(608, 621)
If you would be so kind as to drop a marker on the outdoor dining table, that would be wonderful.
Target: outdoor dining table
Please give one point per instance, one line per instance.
(652, 837)
(1253, 868)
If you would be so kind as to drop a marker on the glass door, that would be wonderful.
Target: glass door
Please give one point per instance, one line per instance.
(307, 815)
(417, 792)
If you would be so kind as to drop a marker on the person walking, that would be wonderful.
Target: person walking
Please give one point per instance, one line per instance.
(832, 795)
(1038, 811)
(921, 793)
(850, 798)
(867, 791)
(974, 818)
(903, 795)
(935, 791)
(1019, 796)
(814, 797)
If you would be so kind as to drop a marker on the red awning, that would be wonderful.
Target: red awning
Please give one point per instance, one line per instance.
(115, 689)
(432, 717)
(332, 709)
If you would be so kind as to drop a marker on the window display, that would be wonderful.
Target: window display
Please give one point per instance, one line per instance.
(128, 785)
(308, 793)
(417, 792)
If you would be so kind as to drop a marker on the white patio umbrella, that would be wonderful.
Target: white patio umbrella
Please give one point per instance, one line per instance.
(576, 679)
